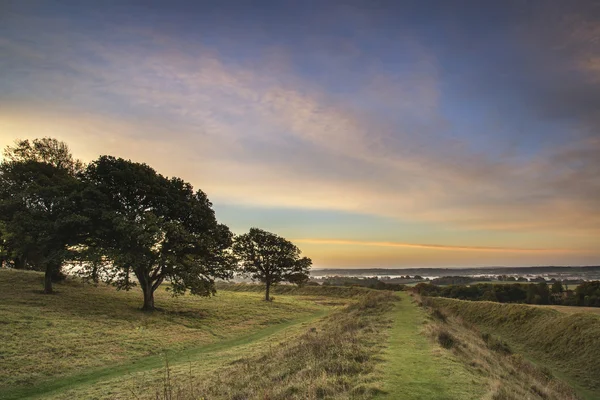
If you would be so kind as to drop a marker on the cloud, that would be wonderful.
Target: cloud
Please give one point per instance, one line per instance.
(432, 246)
(261, 132)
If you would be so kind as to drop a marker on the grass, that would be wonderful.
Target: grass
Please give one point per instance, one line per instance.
(332, 357)
(418, 368)
(85, 328)
(489, 359)
(327, 291)
(310, 343)
(567, 344)
(572, 309)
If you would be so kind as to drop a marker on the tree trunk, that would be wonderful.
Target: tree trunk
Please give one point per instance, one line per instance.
(268, 285)
(148, 298)
(48, 281)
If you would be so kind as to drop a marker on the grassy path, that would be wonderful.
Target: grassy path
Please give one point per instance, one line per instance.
(415, 368)
(146, 363)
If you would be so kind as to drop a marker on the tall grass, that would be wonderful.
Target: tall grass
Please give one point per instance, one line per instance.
(333, 359)
(569, 344)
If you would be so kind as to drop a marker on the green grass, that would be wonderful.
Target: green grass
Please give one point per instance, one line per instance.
(566, 343)
(144, 364)
(333, 357)
(417, 368)
(309, 343)
(328, 291)
(86, 328)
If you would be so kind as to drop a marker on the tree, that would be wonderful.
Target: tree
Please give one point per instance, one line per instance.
(269, 258)
(151, 229)
(557, 287)
(38, 209)
(45, 150)
(544, 292)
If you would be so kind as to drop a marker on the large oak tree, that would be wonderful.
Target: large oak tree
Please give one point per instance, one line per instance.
(151, 229)
(269, 258)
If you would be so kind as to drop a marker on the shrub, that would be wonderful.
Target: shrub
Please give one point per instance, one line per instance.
(446, 340)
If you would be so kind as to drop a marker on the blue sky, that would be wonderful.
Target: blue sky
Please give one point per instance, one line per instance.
(372, 133)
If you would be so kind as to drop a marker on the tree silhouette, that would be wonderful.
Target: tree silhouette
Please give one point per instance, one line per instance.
(269, 258)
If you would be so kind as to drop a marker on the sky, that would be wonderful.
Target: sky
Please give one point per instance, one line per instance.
(371, 133)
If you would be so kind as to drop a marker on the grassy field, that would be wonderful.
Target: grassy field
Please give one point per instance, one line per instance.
(93, 342)
(309, 343)
(84, 327)
(567, 344)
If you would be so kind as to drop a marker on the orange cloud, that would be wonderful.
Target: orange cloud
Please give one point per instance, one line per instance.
(431, 246)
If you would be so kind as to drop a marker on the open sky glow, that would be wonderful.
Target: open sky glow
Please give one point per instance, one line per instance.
(371, 133)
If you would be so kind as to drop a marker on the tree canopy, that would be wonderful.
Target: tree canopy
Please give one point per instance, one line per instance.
(38, 212)
(154, 228)
(269, 258)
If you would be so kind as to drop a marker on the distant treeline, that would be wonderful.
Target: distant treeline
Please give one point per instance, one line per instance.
(586, 294)
(456, 280)
(372, 283)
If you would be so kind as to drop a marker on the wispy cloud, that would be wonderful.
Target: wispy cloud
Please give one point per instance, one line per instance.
(262, 132)
(433, 246)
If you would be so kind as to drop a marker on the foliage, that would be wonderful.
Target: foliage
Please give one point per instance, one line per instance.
(587, 294)
(46, 151)
(371, 283)
(39, 208)
(269, 258)
(456, 280)
(155, 228)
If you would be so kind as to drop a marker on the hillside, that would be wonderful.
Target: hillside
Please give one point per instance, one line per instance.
(567, 342)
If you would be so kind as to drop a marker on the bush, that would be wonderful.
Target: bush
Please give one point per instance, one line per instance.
(446, 340)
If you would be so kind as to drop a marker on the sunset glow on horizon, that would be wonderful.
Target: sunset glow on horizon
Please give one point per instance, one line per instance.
(371, 133)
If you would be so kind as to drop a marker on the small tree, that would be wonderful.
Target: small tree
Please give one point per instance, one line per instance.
(269, 258)
(150, 228)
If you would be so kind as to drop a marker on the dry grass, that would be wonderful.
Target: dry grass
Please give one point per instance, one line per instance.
(333, 359)
(510, 376)
(568, 344)
(84, 327)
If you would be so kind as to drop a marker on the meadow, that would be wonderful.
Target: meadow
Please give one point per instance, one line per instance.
(93, 341)
(320, 342)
